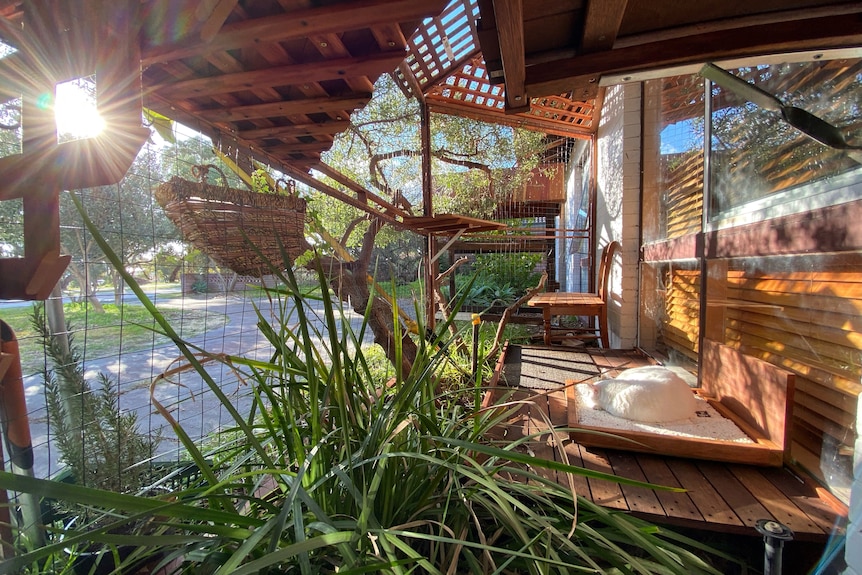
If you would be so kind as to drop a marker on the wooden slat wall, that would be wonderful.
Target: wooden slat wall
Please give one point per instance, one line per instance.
(683, 180)
(809, 322)
(682, 311)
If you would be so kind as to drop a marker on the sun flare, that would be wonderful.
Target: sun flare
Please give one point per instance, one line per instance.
(75, 110)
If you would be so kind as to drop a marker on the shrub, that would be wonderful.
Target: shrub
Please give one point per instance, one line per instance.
(330, 473)
(102, 446)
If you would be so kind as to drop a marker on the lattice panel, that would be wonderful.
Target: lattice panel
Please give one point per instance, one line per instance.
(470, 87)
(440, 45)
(563, 110)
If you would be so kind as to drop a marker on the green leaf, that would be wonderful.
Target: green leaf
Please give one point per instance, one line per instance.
(162, 124)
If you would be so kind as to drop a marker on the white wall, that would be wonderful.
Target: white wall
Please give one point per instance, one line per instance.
(618, 205)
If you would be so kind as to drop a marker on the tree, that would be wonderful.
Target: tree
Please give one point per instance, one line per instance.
(474, 166)
(128, 217)
(11, 211)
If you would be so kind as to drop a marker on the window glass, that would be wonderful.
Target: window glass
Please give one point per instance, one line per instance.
(756, 155)
(670, 310)
(673, 199)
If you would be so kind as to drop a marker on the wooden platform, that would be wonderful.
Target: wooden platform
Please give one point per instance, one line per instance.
(723, 497)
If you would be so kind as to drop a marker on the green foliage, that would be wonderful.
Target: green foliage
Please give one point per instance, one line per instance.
(330, 472)
(101, 445)
(200, 286)
(500, 278)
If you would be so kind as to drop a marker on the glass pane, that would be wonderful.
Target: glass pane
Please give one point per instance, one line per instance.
(756, 155)
(670, 310)
(674, 143)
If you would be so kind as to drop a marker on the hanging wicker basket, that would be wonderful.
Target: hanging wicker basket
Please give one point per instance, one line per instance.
(248, 232)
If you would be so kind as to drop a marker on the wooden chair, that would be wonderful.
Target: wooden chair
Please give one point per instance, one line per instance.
(581, 304)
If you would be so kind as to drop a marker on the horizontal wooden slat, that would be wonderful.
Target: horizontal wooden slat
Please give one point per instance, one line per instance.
(285, 108)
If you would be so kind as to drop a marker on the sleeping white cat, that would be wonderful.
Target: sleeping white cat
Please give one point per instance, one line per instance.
(652, 394)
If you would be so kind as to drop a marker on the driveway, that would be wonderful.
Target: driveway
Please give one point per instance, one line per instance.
(186, 396)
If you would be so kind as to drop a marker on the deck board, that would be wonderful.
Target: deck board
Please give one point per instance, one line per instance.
(711, 505)
(638, 499)
(675, 504)
(727, 497)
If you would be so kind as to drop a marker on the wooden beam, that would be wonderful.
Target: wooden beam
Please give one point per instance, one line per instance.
(336, 69)
(336, 18)
(509, 16)
(213, 14)
(287, 149)
(807, 13)
(525, 121)
(313, 182)
(285, 108)
(582, 73)
(363, 193)
(295, 130)
(602, 24)
(489, 41)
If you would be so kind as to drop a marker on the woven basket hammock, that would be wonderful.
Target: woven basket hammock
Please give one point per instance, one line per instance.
(236, 227)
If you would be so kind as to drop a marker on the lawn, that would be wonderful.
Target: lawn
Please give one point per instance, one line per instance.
(129, 326)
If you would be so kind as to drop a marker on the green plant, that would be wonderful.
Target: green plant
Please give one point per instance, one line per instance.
(486, 295)
(500, 279)
(331, 472)
(102, 446)
(200, 286)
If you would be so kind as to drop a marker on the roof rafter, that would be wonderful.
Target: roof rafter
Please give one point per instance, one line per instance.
(286, 108)
(296, 24)
(582, 73)
(602, 24)
(509, 17)
(319, 71)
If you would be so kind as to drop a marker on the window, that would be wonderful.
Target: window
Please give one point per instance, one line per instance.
(759, 161)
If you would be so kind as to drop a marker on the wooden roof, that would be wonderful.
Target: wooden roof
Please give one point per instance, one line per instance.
(280, 78)
(541, 48)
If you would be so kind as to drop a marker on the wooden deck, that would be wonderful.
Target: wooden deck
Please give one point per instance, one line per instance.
(724, 497)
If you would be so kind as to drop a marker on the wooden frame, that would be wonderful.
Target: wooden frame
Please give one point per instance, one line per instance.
(756, 395)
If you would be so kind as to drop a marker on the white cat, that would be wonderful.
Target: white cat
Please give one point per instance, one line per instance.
(651, 394)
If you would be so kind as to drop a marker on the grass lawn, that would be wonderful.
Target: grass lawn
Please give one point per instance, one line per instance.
(129, 326)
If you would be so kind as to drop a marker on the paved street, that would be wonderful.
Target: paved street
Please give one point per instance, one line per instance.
(190, 401)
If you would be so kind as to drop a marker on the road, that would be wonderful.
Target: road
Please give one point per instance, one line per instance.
(186, 396)
(104, 296)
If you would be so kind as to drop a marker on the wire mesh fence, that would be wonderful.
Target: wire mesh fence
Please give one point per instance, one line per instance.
(117, 355)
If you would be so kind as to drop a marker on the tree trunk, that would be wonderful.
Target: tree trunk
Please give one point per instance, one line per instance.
(117, 280)
(87, 293)
(175, 272)
(350, 282)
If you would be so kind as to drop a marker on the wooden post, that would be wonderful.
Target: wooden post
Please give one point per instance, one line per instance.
(428, 211)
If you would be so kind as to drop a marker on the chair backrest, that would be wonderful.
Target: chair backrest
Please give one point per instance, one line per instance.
(605, 268)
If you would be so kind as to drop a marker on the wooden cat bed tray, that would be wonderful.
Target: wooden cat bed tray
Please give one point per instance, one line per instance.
(753, 394)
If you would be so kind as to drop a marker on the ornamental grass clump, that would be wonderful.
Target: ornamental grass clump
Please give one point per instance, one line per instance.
(333, 472)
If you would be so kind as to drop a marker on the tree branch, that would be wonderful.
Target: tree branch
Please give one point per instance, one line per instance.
(442, 304)
(512, 309)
